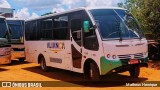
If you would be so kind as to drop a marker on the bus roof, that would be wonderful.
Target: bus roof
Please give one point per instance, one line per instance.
(72, 10)
(105, 8)
(14, 19)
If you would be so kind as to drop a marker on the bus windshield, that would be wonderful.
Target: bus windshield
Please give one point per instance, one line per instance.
(16, 27)
(3, 28)
(116, 24)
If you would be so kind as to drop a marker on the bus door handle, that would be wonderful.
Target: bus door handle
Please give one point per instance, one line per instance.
(125, 45)
(81, 50)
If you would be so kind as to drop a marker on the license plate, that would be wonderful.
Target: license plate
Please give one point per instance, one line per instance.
(134, 61)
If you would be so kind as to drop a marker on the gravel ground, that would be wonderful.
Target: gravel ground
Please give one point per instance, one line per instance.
(24, 71)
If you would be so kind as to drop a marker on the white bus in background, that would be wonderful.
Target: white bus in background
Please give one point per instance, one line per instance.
(93, 41)
(5, 46)
(16, 27)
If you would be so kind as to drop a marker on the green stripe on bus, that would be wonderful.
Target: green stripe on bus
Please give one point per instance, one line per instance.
(107, 65)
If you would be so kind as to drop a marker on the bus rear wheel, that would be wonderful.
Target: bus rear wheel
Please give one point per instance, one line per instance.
(43, 65)
(91, 73)
(21, 59)
(134, 71)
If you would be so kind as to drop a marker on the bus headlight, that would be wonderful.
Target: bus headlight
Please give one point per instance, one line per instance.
(111, 57)
(114, 56)
(108, 55)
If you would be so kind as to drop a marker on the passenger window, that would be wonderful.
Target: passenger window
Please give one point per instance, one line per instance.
(39, 30)
(31, 31)
(27, 31)
(46, 26)
(60, 28)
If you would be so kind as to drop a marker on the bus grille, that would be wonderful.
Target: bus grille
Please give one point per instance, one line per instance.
(18, 49)
(131, 56)
(138, 56)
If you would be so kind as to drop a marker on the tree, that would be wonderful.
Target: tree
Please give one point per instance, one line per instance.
(147, 12)
(48, 13)
(151, 16)
(120, 4)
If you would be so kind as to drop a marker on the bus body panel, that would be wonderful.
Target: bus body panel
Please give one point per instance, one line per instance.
(19, 53)
(33, 50)
(5, 55)
(59, 54)
(45, 48)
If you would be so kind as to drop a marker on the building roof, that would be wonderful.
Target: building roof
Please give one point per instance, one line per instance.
(14, 19)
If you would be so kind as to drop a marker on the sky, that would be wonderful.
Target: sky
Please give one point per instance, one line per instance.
(27, 9)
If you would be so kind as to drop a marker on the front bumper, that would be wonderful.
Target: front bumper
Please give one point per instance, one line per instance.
(5, 59)
(108, 65)
(17, 54)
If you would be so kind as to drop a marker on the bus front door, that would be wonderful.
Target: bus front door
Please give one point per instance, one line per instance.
(76, 41)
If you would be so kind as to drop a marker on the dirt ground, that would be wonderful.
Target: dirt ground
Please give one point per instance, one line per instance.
(24, 71)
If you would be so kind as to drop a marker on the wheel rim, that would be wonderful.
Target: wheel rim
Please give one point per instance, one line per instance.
(91, 73)
(43, 64)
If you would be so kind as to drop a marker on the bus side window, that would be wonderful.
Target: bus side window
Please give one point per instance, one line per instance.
(30, 31)
(46, 28)
(38, 30)
(60, 28)
(27, 31)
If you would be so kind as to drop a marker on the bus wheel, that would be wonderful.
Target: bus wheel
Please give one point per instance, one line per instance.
(43, 64)
(92, 72)
(21, 59)
(134, 71)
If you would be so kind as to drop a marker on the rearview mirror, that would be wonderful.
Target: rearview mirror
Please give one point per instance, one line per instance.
(86, 26)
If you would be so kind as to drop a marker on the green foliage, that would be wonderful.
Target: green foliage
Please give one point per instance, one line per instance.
(120, 4)
(48, 13)
(147, 12)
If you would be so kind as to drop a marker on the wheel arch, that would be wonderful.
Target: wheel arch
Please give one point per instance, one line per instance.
(39, 57)
(87, 63)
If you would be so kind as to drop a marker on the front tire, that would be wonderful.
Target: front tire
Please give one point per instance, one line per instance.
(91, 73)
(43, 65)
(134, 71)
